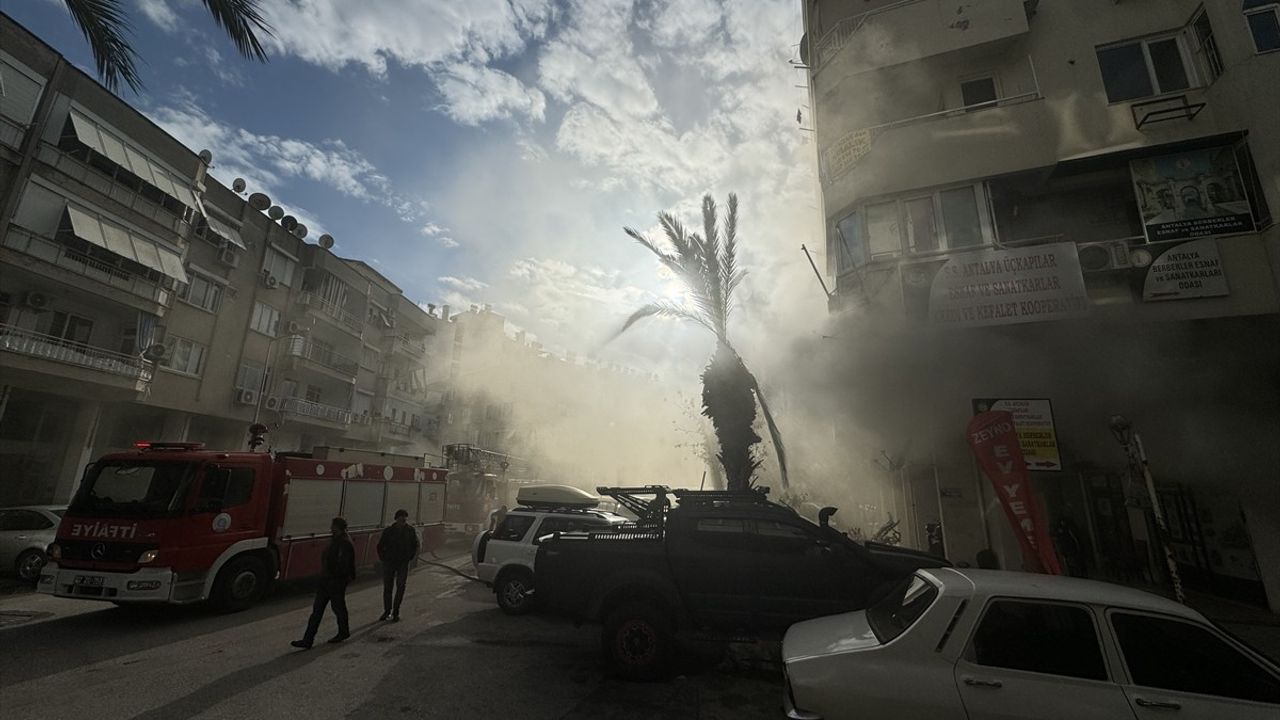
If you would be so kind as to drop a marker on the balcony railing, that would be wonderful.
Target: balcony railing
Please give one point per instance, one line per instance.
(298, 346)
(331, 310)
(47, 347)
(103, 183)
(11, 133)
(410, 345)
(398, 428)
(307, 408)
(55, 253)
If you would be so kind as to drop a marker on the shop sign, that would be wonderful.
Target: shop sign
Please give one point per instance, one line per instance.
(995, 444)
(1033, 421)
(1187, 270)
(1192, 194)
(998, 287)
(846, 152)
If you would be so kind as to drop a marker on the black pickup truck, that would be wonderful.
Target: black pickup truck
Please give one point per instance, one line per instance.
(719, 563)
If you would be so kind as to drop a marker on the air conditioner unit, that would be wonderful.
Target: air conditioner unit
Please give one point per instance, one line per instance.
(272, 402)
(270, 282)
(247, 397)
(229, 257)
(1105, 256)
(33, 300)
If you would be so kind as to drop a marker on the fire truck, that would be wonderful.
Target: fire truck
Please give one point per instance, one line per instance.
(480, 482)
(177, 523)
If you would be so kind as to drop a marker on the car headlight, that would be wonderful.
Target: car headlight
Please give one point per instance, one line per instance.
(148, 556)
(54, 553)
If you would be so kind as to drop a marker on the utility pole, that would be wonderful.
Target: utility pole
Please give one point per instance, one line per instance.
(1131, 441)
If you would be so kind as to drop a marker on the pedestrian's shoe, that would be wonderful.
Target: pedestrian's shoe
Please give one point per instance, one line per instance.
(339, 638)
(395, 618)
(304, 644)
(383, 616)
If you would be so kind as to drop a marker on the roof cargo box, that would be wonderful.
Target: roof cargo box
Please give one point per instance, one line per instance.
(560, 496)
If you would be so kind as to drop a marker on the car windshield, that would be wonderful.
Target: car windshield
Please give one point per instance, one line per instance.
(898, 610)
(133, 489)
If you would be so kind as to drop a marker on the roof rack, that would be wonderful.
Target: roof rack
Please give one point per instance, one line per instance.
(648, 511)
(759, 495)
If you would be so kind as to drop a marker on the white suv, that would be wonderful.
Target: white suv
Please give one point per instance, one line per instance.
(504, 556)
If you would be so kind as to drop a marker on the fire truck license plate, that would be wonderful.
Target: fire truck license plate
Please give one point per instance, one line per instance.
(89, 580)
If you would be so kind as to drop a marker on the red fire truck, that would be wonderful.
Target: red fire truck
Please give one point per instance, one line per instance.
(479, 482)
(176, 523)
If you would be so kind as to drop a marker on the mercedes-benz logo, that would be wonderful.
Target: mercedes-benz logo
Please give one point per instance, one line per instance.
(98, 551)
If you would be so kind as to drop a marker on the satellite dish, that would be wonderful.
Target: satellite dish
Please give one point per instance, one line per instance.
(238, 185)
(289, 222)
(206, 157)
(275, 212)
(259, 202)
(300, 231)
(154, 353)
(326, 241)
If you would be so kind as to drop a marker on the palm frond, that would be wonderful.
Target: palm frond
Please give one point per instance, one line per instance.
(105, 28)
(729, 275)
(241, 20)
(661, 308)
(711, 263)
(644, 240)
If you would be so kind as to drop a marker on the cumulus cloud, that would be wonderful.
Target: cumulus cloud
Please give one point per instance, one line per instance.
(160, 13)
(447, 242)
(465, 284)
(474, 94)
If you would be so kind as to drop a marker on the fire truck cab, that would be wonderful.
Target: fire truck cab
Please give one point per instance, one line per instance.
(176, 523)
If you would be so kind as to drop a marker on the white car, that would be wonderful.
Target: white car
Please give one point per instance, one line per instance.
(25, 532)
(504, 556)
(984, 644)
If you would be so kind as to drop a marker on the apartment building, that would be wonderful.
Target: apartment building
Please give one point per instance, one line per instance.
(141, 299)
(1065, 209)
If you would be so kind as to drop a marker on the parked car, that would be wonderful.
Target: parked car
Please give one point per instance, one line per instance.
(982, 644)
(719, 564)
(25, 532)
(504, 557)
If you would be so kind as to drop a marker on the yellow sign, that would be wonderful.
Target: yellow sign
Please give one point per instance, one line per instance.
(1033, 421)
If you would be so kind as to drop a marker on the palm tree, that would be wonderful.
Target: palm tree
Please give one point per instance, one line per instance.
(708, 267)
(106, 28)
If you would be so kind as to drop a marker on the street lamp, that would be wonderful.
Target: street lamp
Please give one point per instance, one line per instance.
(1131, 441)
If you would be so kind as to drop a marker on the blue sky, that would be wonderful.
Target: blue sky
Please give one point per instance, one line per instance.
(491, 151)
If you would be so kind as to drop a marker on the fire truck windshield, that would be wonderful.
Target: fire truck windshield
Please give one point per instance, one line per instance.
(135, 489)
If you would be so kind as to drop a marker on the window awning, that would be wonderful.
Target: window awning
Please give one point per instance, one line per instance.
(150, 171)
(223, 230)
(119, 241)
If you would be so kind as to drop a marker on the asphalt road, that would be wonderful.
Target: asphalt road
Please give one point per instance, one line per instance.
(453, 655)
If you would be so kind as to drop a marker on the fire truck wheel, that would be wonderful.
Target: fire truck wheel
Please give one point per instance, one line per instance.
(29, 565)
(515, 592)
(637, 640)
(240, 584)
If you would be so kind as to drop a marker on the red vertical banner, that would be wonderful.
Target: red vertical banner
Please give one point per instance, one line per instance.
(995, 443)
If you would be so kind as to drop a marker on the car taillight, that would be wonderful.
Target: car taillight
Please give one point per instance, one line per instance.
(54, 553)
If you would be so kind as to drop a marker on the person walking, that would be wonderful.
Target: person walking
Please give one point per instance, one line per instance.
(337, 569)
(397, 547)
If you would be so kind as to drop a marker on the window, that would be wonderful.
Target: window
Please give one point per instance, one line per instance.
(922, 226)
(883, 234)
(313, 394)
(1038, 637)
(899, 610)
(513, 528)
(183, 355)
(850, 250)
(225, 488)
(1253, 187)
(1208, 50)
(946, 220)
(1174, 655)
(279, 265)
(553, 525)
(250, 377)
(1144, 68)
(265, 319)
(24, 520)
(201, 292)
(775, 529)
(978, 91)
(1264, 23)
(960, 217)
(70, 327)
(722, 525)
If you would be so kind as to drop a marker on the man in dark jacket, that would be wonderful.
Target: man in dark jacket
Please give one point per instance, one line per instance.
(397, 547)
(337, 569)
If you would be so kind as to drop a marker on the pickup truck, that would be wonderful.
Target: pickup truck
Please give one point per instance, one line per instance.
(718, 563)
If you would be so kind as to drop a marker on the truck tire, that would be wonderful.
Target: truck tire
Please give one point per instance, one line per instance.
(515, 592)
(638, 640)
(241, 583)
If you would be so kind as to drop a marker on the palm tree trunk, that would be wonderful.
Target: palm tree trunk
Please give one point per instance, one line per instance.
(728, 400)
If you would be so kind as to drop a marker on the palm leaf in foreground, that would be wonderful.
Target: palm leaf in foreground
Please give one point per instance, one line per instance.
(106, 30)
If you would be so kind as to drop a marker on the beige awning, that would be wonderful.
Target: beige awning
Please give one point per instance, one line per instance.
(118, 240)
(131, 158)
(225, 231)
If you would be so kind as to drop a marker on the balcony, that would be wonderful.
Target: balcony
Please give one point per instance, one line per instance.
(56, 261)
(331, 312)
(11, 133)
(413, 347)
(114, 368)
(322, 356)
(911, 30)
(318, 411)
(398, 429)
(131, 198)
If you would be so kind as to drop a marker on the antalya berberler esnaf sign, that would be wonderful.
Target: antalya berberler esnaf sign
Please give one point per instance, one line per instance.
(1193, 194)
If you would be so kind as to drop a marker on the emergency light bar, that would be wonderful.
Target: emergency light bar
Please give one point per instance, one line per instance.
(149, 445)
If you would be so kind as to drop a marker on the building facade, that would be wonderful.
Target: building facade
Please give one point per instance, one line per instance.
(1064, 209)
(142, 299)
